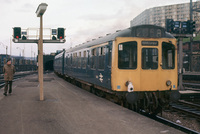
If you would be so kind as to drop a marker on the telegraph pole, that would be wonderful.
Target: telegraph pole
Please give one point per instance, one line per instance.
(180, 80)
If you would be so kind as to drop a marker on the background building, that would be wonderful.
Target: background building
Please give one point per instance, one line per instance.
(158, 15)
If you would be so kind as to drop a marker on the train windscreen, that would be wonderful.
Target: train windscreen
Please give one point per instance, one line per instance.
(149, 58)
(127, 55)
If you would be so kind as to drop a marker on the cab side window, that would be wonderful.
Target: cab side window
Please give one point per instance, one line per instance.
(168, 56)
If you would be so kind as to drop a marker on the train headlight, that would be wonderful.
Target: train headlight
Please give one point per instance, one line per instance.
(130, 86)
(168, 83)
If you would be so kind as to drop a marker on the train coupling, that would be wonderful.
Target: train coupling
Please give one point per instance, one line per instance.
(129, 86)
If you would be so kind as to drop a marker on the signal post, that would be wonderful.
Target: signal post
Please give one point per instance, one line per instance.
(40, 49)
(180, 69)
(180, 30)
(60, 39)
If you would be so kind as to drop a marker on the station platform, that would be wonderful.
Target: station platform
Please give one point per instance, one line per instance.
(190, 95)
(68, 109)
(191, 73)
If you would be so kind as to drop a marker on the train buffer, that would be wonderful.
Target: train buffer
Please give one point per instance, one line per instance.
(67, 109)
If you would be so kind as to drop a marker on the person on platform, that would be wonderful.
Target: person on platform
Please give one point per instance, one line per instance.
(9, 71)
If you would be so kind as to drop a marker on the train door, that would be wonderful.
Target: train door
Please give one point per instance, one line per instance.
(168, 65)
(108, 60)
(149, 74)
(158, 62)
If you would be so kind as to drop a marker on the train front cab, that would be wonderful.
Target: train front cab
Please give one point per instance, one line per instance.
(145, 65)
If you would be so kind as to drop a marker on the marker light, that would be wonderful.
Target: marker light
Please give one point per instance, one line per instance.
(168, 83)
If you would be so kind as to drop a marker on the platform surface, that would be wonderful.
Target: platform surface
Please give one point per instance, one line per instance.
(189, 92)
(68, 109)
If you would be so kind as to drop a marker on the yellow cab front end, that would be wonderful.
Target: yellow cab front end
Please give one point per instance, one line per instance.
(144, 64)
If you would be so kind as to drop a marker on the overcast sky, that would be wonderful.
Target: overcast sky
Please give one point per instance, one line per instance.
(83, 19)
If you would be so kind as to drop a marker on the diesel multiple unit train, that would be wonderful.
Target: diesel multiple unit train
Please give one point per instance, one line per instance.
(138, 65)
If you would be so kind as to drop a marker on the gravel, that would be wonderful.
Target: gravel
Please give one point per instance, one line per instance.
(183, 120)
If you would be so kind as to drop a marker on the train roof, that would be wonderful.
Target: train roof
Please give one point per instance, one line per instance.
(59, 54)
(135, 31)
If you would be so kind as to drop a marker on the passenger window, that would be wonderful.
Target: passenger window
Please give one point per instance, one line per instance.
(84, 54)
(66, 59)
(84, 60)
(127, 55)
(79, 60)
(109, 56)
(71, 59)
(74, 59)
(168, 56)
(149, 58)
(88, 58)
(93, 59)
(101, 51)
(94, 52)
(101, 57)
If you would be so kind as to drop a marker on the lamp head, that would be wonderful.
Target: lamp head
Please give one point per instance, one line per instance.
(41, 9)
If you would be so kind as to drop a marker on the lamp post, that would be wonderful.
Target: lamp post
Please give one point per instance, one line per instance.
(5, 47)
(40, 11)
(20, 51)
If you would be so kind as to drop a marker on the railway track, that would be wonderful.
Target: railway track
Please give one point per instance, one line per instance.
(174, 125)
(171, 123)
(191, 86)
(187, 108)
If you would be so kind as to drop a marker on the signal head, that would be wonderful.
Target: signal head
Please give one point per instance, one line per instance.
(17, 32)
(60, 33)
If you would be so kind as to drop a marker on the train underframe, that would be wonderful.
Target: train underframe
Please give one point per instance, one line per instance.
(151, 102)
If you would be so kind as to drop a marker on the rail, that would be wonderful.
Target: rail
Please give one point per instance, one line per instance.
(174, 125)
(192, 85)
(170, 123)
(187, 108)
